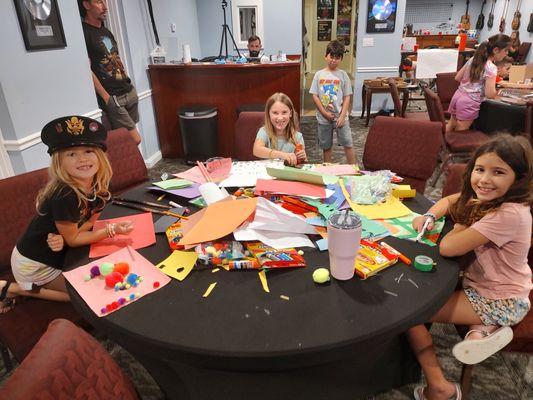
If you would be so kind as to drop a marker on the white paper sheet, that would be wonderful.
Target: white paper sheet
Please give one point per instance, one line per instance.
(272, 217)
(246, 173)
(430, 62)
(277, 240)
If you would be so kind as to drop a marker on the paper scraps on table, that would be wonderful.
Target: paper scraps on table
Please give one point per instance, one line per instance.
(402, 228)
(277, 240)
(94, 291)
(161, 225)
(179, 264)
(188, 192)
(322, 244)
(300, 175)
(392, 207)
(142, 235)
(218, 220)
(209, 289)
(263, 279)
(290, 188)
(337, 169)
(403, 191)
(173, 184)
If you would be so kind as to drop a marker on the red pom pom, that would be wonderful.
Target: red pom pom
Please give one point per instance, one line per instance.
(156, 284)
(122, 268)
(113, 278)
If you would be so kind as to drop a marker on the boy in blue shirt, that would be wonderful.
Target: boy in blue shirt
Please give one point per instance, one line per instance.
(331, 90)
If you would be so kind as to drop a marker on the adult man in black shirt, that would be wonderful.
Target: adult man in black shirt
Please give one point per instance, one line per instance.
(116, 95)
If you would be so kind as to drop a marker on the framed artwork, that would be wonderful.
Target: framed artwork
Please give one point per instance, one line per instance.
(325, 9)
(40, 24)
(344, 21)
(381, 16)
(324, 31)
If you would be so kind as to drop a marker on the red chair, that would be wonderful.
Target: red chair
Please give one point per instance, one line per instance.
(458, 144)
(408, 147)
(68, 363)
(246, 129)
(395, 94)
(22, 327)
(129, 169)
(523, 332)
(446, 87)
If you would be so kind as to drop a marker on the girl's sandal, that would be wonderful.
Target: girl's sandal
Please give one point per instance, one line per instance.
(419, 393)
(473, 351)
(6, 303)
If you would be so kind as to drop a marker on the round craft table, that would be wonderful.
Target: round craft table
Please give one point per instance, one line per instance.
(498, 116)
(336, 341)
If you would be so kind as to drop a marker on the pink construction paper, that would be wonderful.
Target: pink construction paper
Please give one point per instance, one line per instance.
(218, 169)
(290, 187)
(143, 235)
(95, 293)
(339, 170)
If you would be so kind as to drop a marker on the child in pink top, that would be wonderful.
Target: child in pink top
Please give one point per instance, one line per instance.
(492, 216)
(477, 81)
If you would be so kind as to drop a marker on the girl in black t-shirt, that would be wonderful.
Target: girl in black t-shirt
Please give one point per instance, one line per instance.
(66, 210)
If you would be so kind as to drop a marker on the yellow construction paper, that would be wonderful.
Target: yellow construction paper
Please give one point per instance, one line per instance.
(391, 208)
(403, 191)
(215, 270)
(263, 279)
(283, 297)
(179, 264)
(209, 289)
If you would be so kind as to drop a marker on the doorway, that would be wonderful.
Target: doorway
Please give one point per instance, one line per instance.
(326, 20)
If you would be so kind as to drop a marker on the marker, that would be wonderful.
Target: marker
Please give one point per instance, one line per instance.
(423, 230)
(394, 251)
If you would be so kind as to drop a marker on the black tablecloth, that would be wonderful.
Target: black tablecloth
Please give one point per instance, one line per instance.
(496, 116)
(239, 327)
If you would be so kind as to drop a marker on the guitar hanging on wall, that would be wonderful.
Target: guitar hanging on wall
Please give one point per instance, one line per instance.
(516, 17)
(504, 15)
(481, 17)
(490, 21)
(465, 19)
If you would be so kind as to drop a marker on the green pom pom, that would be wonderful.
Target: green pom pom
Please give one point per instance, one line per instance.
(106, 268)
(87, 277)
(321, 275)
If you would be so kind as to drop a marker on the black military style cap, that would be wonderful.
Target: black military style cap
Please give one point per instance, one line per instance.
(71, 131)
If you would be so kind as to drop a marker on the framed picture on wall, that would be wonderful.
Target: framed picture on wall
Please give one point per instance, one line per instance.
(381, 16)
(325, 9)
(40, 24)
(324, 31)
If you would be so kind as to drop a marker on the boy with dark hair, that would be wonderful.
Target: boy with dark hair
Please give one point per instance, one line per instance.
(331, 90)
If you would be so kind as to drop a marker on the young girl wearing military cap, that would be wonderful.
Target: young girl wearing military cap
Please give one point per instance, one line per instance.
(66, 210)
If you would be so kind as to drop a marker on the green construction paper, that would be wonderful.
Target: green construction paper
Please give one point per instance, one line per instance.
(173, 184)
(296, 174)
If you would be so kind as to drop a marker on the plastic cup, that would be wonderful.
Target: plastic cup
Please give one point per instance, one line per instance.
(344, 235)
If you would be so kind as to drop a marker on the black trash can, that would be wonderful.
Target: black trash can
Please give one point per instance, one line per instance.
(198, 125)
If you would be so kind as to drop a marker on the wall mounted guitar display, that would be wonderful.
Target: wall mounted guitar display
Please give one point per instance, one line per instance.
(490, 21)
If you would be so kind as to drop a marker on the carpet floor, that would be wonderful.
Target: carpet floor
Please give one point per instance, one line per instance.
(504, 376)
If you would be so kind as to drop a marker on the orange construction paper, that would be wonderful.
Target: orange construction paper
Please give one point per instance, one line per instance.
(290, 187)
(220, 219)
(143, 235)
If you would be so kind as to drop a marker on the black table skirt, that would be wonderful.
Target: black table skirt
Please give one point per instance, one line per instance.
(240, 330)
(497, 116)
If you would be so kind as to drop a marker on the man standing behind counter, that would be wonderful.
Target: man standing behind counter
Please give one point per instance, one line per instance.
(254, 47)
(116, 95)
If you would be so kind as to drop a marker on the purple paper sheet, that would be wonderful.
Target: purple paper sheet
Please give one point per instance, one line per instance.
(188, 192)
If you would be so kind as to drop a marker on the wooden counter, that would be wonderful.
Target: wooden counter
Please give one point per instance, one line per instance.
(444, 41)
(225, 87)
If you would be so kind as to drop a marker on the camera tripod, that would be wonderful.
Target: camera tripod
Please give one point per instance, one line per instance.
(225, 31)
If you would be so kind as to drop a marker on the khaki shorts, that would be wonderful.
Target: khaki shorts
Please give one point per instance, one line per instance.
(123, 110)
(28, 272)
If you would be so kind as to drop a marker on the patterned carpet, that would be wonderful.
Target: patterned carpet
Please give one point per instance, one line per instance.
(503, 376)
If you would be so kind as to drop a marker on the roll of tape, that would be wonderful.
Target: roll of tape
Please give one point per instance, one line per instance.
(423, 263)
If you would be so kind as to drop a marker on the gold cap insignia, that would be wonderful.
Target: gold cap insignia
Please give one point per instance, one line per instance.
(75, 126)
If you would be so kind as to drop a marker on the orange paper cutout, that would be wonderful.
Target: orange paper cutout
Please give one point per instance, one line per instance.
(220, 219)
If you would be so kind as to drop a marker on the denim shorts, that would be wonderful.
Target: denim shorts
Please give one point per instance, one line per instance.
(502, 312)
(325, 135)
(123, 110)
